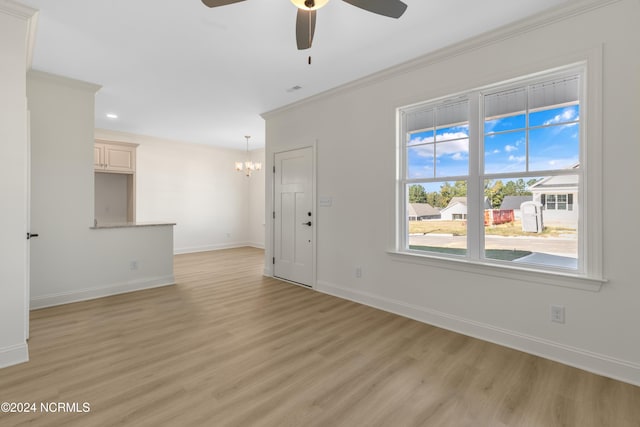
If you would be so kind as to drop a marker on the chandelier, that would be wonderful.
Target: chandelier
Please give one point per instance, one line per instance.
(248, 166)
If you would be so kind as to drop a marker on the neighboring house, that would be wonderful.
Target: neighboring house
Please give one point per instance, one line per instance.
(457, 209)
(513, 203)
(559, 198)
(422, 211)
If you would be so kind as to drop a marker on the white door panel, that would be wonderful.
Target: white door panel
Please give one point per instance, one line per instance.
(294, 222)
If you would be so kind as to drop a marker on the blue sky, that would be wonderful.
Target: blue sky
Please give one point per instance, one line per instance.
(553, 141)
(553, 144)
(451, 153)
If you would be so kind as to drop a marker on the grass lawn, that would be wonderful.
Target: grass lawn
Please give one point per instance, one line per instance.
(459, 228)
(501, 254)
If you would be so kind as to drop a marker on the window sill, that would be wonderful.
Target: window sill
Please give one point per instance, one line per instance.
(517, 273)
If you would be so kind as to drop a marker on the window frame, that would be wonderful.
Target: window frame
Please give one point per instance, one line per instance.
(589, 272)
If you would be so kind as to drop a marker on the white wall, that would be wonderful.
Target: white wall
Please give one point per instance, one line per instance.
(14, 25)
(356, 125)
(256, 218)
(70, 261)
(197, 187)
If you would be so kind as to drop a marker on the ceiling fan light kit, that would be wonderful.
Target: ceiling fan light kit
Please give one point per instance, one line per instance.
(309, 4)
(306, 18)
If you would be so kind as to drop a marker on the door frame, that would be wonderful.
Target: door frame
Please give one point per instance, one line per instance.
(27, 288)
(314, 204)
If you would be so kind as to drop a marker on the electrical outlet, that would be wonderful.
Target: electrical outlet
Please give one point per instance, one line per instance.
(557, 313)
(358, 272)
(133, 265)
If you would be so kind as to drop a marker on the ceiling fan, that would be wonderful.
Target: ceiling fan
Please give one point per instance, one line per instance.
(306, 19)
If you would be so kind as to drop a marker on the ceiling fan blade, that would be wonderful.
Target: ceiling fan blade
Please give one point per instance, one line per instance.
(305, 27)
(390, 8)
(216, 3)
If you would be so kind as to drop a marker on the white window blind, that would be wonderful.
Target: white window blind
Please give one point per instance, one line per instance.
(536, 96)
(441, 116)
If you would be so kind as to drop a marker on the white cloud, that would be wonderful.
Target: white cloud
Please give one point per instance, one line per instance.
(458, 156)
(423, 150)
(451, 135)
(451, 148)
(518, 159)
(567, 115)
(510, 148)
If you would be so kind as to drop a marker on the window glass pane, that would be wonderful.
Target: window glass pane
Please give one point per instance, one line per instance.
(421, 137)
(452, 158)
(545, 237)
(551, 202)
(555, 147)
(420, 161)
(561, 202)
(527, 131)
(505, 152)
(437, 213)
(554, 116)
(452, 132)
(512, 122)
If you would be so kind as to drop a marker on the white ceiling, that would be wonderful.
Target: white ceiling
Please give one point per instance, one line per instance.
(179, 70)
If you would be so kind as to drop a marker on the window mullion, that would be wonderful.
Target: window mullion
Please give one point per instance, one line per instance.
(475, 184)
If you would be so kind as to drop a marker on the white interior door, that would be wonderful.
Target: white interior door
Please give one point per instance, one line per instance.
(293, 216)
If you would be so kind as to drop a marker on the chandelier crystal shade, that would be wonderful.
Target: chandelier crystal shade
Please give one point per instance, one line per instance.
(248, 166)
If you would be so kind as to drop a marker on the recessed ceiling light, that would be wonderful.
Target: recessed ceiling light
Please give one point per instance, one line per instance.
(112, 116)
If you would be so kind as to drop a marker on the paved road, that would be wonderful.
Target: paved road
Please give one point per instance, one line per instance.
(563, 246)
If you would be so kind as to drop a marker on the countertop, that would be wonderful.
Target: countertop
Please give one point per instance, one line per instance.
(130, 225)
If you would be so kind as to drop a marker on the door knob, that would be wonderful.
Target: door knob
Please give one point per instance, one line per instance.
(307, 223)
(30, 235)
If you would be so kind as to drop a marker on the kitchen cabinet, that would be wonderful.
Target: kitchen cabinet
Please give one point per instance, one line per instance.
(114, 164)
(114, 157)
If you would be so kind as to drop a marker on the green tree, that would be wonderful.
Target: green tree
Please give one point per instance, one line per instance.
(529, 184)
(417, 194)
(460, 189)
(436, 199)
(495, 192)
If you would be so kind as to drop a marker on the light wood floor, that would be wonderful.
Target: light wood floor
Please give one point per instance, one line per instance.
(228, 347)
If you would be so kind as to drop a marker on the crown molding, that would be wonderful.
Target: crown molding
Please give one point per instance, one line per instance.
(27, 14)
(32, 28)
(17, 9)
(65, 81)
(110, 135)
(534, 22)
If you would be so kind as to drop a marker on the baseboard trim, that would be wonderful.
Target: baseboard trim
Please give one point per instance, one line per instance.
(207, 248)
(14, 355)
(103, 291)
(268, 270)
(599, 364)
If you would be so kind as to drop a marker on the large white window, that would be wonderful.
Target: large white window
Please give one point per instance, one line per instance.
(500, 171)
